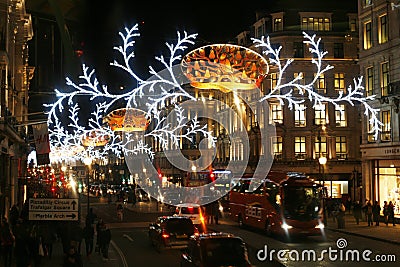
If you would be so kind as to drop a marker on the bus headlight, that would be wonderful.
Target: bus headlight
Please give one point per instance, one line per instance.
(286, 226)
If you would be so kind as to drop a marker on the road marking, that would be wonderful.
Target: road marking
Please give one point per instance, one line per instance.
(128, 237)
(120, 253)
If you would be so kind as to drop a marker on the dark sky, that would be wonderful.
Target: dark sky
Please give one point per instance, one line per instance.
(159, 22)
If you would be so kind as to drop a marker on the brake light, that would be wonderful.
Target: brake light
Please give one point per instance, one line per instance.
(165, 234)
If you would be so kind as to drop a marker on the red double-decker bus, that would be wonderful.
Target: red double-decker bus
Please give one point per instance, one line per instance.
(281, 203)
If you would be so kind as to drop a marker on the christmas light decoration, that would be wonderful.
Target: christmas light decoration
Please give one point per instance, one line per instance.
(147, 114)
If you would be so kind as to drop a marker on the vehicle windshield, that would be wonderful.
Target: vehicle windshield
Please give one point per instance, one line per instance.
(179, 225)
(301, 203)
(223, 252)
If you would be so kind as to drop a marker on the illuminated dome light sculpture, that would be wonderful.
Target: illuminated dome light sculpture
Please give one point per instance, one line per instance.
(225, 67)
(94, 138)
(127, 120)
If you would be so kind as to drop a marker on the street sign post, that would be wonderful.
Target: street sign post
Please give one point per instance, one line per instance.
(53, 209)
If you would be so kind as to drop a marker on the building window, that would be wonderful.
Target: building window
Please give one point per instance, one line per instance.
(369, 82)
(320, 146)
(298, 48)
(367, 35)
(273, 81)
(278, 24)
(321, 85)
(340, 116)
(353, 25)
(384, 78)
(300, 116)
(315, 24)
(339, 82)
(341, 147)
(321, 114)
(367, 3)
(277, 146)
(260, 31)
(300, 147)
(300, 80)
(276, 113)
(386, 129)
(338, 51)
(383, 29)
(371, 132)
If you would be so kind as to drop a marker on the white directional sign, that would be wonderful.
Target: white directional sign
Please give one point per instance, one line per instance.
(53, 209)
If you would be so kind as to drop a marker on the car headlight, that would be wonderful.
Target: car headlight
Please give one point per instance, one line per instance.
(286, 226)
(320, 226)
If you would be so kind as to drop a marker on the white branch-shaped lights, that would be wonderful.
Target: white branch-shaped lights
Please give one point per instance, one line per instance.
(355, 92)
(163, 88)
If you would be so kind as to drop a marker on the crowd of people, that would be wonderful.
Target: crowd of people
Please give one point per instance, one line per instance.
(370, 212)
(25, 243)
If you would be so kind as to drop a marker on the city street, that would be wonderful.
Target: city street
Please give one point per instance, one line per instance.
(130, 246)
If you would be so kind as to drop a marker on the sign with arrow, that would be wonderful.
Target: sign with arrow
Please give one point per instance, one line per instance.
(53, 209)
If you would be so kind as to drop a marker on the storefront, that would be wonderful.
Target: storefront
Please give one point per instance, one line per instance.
(381, 175)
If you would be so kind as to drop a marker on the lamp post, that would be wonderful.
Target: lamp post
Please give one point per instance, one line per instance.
(87, 162)
(322, 161)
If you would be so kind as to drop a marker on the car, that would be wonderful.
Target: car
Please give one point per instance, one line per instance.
(192, 211)
(215, 249)
(171, 232)
(141, 195)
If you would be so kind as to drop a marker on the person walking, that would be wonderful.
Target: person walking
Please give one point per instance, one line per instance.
(340, 216)
(386, 212)
(369, 213)
(391, 213)
(105, 239)
(376, 212)
(120, 212)
(88, 235)
(357, 211)
(7, 243)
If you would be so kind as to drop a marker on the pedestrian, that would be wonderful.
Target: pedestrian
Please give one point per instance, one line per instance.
(76, 237)
(7, 243)
(386, 212)
(105, 239)
(49, 237)
(340, 216)
(21, 249)
(364, 210)
(120, 212)
(91, 217)
(391, 213)
(88, 235)
(72, 258)
(369, 213)
(357, 212)
(14, 215)
(216, 211)
(376, 212)
(348, 204)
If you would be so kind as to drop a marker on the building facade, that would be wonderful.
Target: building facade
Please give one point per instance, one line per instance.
(380, 65)
(16, 73)
(302, 136)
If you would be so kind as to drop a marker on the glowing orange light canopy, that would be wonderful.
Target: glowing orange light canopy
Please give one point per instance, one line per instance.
(225, 67)
(95, 138)
(127, 120)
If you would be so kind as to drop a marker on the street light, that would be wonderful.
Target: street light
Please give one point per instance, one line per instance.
(322, 161)
(87, 161)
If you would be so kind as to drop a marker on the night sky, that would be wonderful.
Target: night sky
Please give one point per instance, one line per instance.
(215, 22)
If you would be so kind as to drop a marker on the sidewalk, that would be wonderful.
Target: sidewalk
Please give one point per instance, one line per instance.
(390, 233)
(94, 260)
